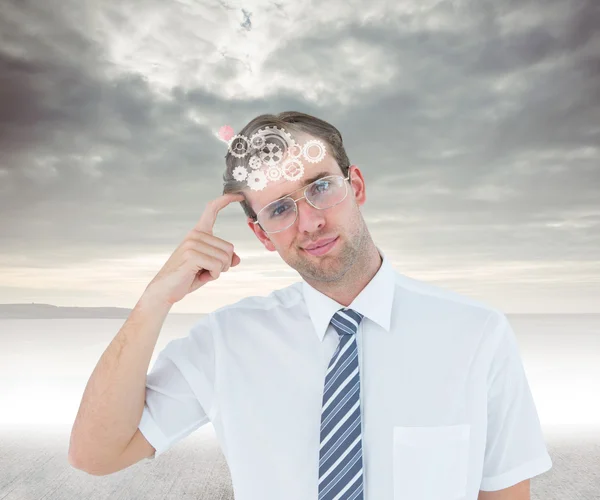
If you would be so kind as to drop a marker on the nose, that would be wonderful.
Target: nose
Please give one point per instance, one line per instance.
(310, 219)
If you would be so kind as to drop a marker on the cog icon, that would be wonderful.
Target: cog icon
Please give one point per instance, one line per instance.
(311, 144)
(239, 146)
(273, 173)
(240, 173)
(271, 154)
(276, 141)
(292, 169)
(277, 133)
(257, 180)
(255, 163)
(257, 140)
(295, 150)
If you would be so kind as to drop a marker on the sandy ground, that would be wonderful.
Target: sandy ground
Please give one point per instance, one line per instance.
(34, 466)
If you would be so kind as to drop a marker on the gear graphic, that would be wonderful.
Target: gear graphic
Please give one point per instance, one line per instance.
(273, 173)
(240, 173)
(257, 140)
(257, 180)
(239, 146)
(314, 143)
(292, 169)
(276, 142)
(271, 154)
(255, 163)
(295, 151)
(276, 132)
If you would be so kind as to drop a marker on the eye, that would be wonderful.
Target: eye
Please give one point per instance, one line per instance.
(321, 186)
(279, 210)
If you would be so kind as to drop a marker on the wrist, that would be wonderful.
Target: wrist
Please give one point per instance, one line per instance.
(154, 299)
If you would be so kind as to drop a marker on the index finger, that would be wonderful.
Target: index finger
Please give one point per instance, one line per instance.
(209, 216)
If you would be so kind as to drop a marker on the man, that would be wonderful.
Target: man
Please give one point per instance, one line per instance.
(355, 382)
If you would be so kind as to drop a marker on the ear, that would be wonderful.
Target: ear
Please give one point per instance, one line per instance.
(357, 184)
(260, 234)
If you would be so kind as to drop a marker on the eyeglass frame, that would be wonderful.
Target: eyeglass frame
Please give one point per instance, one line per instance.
(307, 200)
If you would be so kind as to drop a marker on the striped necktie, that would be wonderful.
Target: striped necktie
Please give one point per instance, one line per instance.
(340, 455)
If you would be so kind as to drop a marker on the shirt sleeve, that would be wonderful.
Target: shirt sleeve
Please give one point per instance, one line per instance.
(515, 448)
(180, 389)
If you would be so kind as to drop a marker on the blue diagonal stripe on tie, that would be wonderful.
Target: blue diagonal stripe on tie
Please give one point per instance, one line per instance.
(342, 378)
(347, 400)
(340, 452)
(341, 402)
(348, 429)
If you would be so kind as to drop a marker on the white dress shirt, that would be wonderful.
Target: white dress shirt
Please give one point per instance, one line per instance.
(446, 405)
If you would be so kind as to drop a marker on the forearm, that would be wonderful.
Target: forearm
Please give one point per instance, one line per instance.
(113, 400)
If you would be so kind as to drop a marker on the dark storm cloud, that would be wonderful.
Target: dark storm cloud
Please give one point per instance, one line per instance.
(41, 59)
(57, 108)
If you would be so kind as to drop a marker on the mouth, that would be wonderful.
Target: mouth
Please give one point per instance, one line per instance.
(322, 249)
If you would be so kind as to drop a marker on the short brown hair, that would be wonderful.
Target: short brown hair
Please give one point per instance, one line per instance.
(292, 122)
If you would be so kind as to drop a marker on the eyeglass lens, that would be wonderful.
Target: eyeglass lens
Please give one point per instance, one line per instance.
(324, 193)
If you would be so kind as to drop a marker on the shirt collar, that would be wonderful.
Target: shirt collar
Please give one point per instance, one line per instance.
(374, 301)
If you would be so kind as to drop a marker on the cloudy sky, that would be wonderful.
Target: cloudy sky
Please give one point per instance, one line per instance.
(475, 124)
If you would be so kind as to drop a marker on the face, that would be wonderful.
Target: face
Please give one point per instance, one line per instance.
(343, 221)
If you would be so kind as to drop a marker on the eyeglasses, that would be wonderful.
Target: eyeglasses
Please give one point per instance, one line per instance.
(323, 193)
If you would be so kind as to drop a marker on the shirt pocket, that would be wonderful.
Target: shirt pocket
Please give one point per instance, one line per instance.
(431, 463)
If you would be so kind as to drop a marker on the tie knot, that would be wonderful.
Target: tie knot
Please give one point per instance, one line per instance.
(346, 321)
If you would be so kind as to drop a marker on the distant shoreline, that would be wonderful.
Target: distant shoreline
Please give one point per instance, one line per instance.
(49, 311)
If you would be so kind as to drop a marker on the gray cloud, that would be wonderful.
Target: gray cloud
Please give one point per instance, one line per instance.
(475, 125)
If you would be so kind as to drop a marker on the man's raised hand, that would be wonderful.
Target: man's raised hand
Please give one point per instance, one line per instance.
(201, 257)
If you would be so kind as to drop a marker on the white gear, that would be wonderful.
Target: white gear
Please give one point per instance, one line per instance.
(257, 180)
(240, 173)
(266, 132)
(293, 169)
(311, 143)
(255, 163)
(275, 149)
(242, 146)
(273, 173)
(276, 141)
(271, 154)
(257, 140)
(295, 151)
